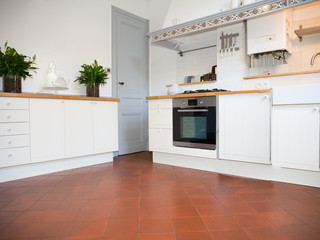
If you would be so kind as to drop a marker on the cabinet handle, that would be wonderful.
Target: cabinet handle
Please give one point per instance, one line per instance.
(315, 109)
(9, 129)
(9, 116)
(158, 110)
(159, 130)
(266, 97)
(62, 102)
(9, 142)
(10, 155)
(8, 103)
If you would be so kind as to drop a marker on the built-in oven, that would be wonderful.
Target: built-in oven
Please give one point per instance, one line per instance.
(194, 122)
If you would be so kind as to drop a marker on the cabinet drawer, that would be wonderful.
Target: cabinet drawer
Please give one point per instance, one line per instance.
(160, 118)
(164, 103)
(14, 141)
(14, 156)
(14, 115)
(160, 140)
(14, 128)
(14, 103)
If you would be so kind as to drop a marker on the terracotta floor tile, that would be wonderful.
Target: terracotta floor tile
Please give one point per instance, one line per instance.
(62, 215)
(99, 204)
(221, 222)
(122, 227)
(44, 205)
(193, 224)
(252, 220)
(299, 232)
(179, 202)
(211, 210)
(177, 212)
(157, 212)
(265, 206)
(267, 233)
(87, 229)
(126, 203)
(281, 218)
(155, 226)
(310, 218)
(54, 196)
(239, 208)
(120, 237)
(50, 230)
(83, 238)
(124, 213)
(158, 236)
(72, 204)
(32, 217)
(17, 205)
(152, 202)
(194, 236)
(93, 215)
(19, 230)
(234, 234)
(8, 217)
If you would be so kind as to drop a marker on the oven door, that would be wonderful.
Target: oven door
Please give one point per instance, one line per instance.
(194, 127)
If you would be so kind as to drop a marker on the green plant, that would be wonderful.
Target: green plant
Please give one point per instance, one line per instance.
(92, 75)
(14, 64)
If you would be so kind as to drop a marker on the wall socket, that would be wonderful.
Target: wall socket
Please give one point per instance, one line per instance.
(108, 70)
(262, 84)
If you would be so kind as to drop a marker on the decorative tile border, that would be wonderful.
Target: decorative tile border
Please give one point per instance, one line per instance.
(214, 21)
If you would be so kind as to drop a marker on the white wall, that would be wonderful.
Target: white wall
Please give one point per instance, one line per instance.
(68, 32)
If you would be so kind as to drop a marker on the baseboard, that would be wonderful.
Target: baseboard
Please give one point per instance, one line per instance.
(35, 169)
(242, 169)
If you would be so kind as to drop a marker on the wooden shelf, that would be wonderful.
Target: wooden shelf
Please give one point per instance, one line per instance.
(306, 31)
(282, 74)
(182, 84)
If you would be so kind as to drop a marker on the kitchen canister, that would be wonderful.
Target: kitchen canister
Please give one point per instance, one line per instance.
(175, 89)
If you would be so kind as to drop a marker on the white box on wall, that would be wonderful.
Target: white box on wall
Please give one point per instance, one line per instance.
(269, 33)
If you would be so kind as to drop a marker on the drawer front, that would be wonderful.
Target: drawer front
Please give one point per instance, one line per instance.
(14, 115)
(14, 128)
(164, 103)
(14, 141)
(14, 156)
(160, 118)
(14, 103)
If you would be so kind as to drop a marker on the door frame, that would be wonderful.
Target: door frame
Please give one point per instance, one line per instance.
(114, 40)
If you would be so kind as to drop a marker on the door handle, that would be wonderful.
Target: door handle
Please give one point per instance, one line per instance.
(121, 83)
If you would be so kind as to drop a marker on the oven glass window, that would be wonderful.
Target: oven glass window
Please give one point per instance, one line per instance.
(194, 127)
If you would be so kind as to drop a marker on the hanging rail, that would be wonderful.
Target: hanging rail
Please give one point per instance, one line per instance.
(196, 49)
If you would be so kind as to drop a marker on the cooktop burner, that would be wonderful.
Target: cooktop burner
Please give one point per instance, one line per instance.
(205, 90)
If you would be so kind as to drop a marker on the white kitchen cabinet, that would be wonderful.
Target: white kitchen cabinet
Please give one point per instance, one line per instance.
(160, 125)
(244, 127)
(78, 127)
(295, 136)
(47, 129)
(105, 126)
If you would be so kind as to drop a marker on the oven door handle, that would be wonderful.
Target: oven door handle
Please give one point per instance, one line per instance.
(193, 110)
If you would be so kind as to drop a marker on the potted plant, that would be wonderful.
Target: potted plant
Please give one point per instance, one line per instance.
(13, 67)
(92, 76)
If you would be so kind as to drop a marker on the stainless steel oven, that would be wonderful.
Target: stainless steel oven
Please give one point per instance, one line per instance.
(194, 122)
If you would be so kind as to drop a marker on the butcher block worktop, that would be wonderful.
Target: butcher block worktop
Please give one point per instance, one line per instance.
(69, 97)
(207, 94)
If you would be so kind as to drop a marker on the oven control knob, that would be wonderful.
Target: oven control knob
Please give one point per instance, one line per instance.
(184, 103)
(201, 102)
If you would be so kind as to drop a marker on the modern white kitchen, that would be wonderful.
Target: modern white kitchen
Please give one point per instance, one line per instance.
(201, 104)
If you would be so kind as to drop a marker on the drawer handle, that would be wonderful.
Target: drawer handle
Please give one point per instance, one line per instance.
(8, 103)
(9, 129)
(9, 142)
(9, 116)
(10, 155)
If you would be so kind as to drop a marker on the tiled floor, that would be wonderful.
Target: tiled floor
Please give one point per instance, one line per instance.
(134, 199)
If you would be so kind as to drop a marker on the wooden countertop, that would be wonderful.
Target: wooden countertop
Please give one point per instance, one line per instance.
(282, 74)
(69, 97)
(207, 94)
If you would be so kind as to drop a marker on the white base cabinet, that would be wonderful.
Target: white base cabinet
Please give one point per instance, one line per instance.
(47, 129)
(295, 136)
(244, 127)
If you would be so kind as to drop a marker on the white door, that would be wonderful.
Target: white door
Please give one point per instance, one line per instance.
(105, 127)
(295, 136)
(47, 129)
(244, 127)
(130, 79)
(78, 127)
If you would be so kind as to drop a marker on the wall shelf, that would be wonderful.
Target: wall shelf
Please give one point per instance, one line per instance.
(183, 84)
(306, 31)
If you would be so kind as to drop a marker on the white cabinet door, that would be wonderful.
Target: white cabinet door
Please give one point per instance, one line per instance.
(295, 136)
(47, 129)
(160, 140)
(105, 127)
(160, 118)
(78, 128)
(244, 127)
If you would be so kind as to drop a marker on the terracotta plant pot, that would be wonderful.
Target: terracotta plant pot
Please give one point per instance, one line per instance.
(93, 91)
(12, 84)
